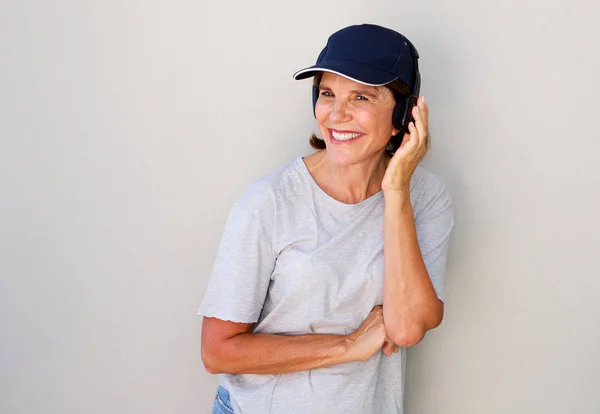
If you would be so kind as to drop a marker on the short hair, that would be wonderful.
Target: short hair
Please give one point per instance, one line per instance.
(399, 90)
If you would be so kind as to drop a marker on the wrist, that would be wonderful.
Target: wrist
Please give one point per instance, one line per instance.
(397, 198)
(348, 346)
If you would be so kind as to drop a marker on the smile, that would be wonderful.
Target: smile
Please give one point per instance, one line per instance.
(343, 136)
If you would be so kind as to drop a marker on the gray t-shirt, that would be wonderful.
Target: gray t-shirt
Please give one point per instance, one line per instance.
(295, 261)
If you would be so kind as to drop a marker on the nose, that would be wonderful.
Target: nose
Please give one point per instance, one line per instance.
(339, 111)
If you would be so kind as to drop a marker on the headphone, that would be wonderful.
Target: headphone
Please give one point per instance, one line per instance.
(402, 114)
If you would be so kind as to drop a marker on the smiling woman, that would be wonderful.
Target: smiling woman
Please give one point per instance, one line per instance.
(399, 90)
(355, 120)
(330, 266)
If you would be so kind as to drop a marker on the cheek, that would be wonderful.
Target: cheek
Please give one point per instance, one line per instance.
(321, 112)
(384, 123)
(376, 122)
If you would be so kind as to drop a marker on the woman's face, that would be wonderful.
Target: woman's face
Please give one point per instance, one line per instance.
(355, 119)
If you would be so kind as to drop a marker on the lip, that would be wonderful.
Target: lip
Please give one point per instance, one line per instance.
(338, 142)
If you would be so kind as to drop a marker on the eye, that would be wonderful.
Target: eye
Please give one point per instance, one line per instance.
(326, 94)
(361, 98)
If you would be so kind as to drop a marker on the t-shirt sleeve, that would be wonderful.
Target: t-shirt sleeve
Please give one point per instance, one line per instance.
(434, 221)
(245, 260)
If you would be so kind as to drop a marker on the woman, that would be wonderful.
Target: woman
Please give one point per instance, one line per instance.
(303, 312)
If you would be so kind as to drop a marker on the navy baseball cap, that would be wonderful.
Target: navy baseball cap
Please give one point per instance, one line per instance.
(368, 54)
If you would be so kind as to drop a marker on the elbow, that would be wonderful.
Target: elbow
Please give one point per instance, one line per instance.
(211, 368)
(208, 361)
(409, 333)
(408, 336)
(210, 357)
(219, 345)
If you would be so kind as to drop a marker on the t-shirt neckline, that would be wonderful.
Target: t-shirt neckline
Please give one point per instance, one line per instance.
(311, 180)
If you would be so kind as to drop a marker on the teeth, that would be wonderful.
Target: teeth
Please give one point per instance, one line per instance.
(345, 136)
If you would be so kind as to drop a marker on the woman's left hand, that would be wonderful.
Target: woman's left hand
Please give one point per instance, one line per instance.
(412, 150)
(389, 348)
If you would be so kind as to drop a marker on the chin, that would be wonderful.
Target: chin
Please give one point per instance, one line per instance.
(346, 157)
(353, 151)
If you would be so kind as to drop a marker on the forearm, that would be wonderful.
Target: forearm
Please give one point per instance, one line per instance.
(250, 353)
(410, 303)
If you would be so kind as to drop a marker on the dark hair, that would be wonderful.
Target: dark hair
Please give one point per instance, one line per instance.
(399, 89)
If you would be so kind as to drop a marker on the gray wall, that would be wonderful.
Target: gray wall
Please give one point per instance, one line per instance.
(128, 127)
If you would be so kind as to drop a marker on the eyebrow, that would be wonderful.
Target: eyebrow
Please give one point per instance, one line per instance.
(366, 92)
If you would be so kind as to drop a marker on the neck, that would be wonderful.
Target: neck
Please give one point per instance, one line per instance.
(349, 184)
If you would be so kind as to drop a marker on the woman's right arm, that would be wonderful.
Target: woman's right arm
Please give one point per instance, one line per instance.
(230, 347)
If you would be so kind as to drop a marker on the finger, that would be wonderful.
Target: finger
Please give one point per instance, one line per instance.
(392, 347)
(420, 123)
(422, 127)
(423, 105)
(424, 110)
(396, 347)
(388, 348)
(413, 137)
(409, 144)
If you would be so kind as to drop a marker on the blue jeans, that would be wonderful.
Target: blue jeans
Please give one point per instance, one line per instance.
(222, 405)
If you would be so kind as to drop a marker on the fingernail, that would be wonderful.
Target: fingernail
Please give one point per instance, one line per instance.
(423, 98)
(418, 110)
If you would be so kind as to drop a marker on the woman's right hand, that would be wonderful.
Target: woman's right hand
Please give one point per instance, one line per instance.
(370, 337)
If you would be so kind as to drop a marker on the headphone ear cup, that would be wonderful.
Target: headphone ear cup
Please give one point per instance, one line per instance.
(398, 116)
(397, 121)
(402, 115)
(315, 98)
(394, 142)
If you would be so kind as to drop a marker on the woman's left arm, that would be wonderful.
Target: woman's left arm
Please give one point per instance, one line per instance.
(410, 303)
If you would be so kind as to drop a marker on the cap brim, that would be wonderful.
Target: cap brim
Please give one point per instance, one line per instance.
(356, 71)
